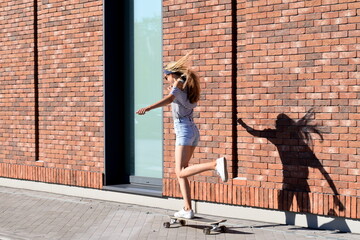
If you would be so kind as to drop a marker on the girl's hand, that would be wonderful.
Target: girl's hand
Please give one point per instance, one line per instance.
(142, 111)
(179, 84)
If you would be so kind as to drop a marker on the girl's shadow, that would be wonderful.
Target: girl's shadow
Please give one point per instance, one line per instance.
(293, 141)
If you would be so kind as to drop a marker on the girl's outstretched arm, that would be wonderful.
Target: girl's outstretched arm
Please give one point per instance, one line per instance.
(163, 102)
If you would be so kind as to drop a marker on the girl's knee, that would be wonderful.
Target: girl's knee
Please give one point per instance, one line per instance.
(178, 173)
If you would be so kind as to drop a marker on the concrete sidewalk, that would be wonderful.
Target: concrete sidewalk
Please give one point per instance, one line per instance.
(26, 214)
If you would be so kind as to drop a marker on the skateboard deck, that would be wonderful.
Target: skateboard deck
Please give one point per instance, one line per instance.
(212, 224)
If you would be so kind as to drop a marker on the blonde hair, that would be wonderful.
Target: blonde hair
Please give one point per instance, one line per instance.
(192, 83)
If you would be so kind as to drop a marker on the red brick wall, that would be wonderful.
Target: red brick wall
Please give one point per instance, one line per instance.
(16, 95)
(291, 56)
(53, 114)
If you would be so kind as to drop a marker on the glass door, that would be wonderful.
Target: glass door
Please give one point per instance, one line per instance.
(148, 130)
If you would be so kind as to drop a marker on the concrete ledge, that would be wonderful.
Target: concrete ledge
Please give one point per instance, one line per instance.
(165, 203)
(227, 211)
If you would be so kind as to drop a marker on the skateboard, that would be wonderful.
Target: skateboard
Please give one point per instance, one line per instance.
(212, 225)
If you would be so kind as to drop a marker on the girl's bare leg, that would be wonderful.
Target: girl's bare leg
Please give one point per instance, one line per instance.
(183, 171)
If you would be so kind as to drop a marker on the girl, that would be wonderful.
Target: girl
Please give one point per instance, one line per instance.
(183, 97)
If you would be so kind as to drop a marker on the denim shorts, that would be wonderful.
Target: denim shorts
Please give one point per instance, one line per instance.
(187, 133)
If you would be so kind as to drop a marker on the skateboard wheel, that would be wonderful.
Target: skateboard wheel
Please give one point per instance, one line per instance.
(166, 224)
(206, 231)
(182, 222)
(222, 229)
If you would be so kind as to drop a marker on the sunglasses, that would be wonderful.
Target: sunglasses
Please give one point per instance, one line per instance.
(166, 76)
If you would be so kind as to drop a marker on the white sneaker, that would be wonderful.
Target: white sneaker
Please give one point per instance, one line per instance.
(221, 168)
(185, 214)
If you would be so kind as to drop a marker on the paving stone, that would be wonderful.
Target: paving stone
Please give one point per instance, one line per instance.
(27, 215)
